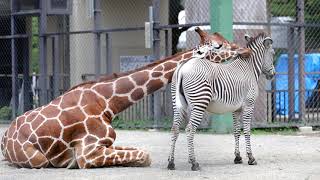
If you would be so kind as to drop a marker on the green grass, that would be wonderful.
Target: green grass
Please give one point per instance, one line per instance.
(279, 131)
(166, 124)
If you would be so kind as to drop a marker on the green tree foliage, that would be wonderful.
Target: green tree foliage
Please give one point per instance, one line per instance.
(311, 15)
(5, 113)
(288, 8)
(312, 8)
(35, 46)
(283, 8)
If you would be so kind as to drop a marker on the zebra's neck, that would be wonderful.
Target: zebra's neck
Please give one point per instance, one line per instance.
(256, 59)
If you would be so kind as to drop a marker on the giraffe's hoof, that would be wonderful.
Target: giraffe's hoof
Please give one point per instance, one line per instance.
(147, 161)
(252, 161)
(195, 166)
(171, 166)
(238, 160)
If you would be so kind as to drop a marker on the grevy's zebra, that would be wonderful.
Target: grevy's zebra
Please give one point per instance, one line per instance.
(200, 85)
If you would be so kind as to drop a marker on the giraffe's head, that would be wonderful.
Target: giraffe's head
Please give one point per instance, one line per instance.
(220, 43)
(216, 39)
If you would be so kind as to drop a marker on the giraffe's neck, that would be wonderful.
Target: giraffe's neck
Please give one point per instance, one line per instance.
(222, 56)
(122, 92)
(131, 88)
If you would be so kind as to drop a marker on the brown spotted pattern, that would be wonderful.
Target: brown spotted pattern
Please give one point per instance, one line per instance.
(74, 130)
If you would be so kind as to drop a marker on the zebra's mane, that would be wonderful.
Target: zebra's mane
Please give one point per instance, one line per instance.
(253, 39)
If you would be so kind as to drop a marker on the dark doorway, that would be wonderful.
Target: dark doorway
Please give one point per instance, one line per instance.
(5, 55)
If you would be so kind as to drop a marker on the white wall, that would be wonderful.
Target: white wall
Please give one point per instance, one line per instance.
(115, 14)
(81, 46)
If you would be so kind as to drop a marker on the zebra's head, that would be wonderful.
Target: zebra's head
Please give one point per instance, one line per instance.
(264, 44)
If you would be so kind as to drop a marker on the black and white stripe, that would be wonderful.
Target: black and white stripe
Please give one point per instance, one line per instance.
(199, 85)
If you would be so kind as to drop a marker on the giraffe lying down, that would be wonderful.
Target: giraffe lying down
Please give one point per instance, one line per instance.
(74, 130)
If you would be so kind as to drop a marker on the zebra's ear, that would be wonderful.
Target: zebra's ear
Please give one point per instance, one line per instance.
(247, 37)
(267, 41)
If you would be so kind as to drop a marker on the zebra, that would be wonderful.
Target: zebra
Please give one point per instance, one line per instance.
(199, 85)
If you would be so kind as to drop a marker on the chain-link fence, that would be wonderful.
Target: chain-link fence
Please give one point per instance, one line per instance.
(49, 46)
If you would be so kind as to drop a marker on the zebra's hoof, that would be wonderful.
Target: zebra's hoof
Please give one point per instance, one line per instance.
(195, 166)
(171, 166)
(238, 160)
(252, 161)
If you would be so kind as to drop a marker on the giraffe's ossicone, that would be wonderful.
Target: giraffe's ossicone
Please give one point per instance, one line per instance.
(74, 130)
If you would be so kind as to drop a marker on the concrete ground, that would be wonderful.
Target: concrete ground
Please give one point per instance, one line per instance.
(278, 157)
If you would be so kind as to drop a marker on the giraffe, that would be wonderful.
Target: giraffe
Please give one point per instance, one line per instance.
(74, 130)
(228, 49)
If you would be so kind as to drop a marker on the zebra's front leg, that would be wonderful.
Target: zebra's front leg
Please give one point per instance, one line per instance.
(247, 115)
(236, 133)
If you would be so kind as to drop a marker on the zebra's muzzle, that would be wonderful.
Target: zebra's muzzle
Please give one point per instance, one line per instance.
(270, 74)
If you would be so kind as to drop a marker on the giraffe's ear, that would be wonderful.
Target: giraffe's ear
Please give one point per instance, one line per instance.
(247, 37)
(267, 42)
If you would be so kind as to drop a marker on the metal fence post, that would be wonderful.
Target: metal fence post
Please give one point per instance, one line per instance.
(66, 52)
(27, 102)
(108, 54)
(97, 38)
(156, 54)
(167, 92)
(43, 95)
(14, 72)
(166, 43)
(301, 53)
(291, 88)
(56, 66)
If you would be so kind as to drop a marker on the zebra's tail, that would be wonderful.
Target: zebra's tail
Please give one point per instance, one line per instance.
(180, 99)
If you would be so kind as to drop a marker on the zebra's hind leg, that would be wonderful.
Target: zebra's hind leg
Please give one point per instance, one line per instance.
(236, 133)
(247, 114)
(191, 130)
(178, 117)
(252, 160)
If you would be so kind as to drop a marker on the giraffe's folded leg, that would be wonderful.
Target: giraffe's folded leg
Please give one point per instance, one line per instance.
(31, 157)
(123, 148)
(101, 156)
